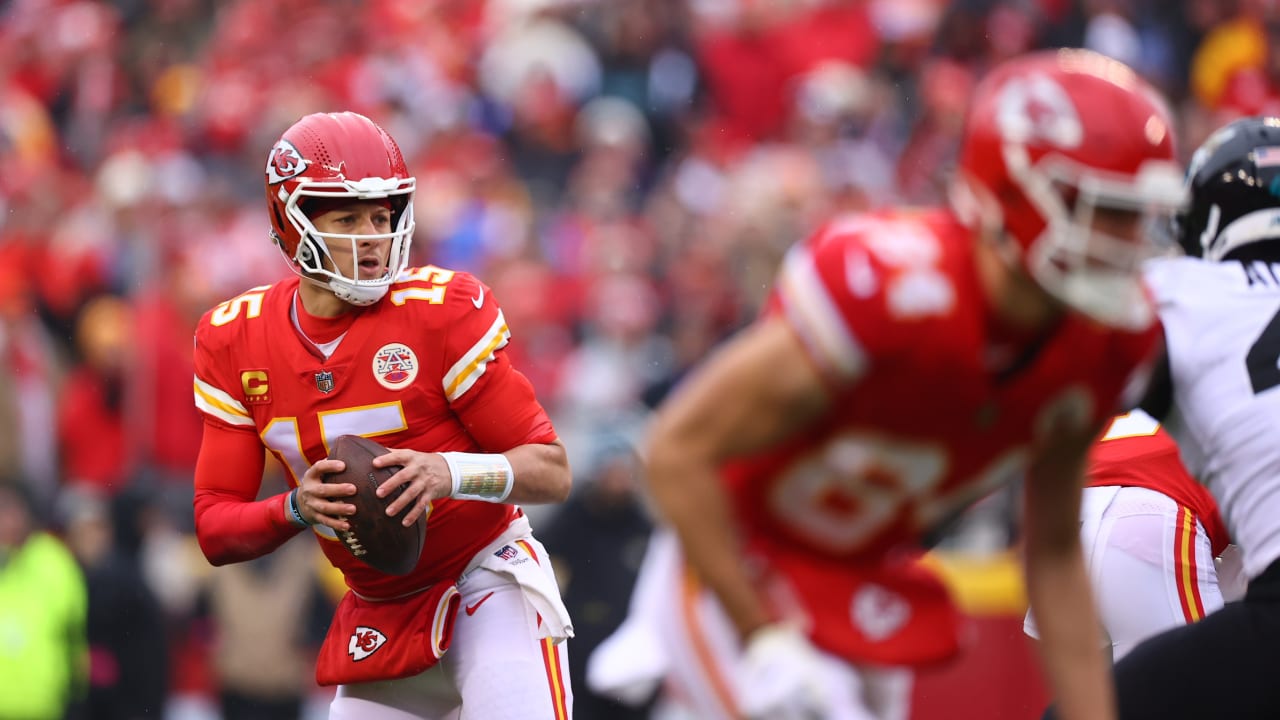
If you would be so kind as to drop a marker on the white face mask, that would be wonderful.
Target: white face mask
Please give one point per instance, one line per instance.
(1089, 270)
(314, 248)
(1115, 299)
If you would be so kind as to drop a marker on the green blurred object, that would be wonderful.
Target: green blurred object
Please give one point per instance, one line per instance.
(43, 645)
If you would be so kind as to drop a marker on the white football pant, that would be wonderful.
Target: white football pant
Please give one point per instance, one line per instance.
(1150, 564)
(697, 653)
(498, 661)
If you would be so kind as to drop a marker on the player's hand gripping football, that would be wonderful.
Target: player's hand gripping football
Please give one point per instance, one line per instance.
(325, 504)
(425, 477)
(782, 676)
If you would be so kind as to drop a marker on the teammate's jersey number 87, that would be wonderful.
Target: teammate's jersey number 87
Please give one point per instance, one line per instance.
(854, 487)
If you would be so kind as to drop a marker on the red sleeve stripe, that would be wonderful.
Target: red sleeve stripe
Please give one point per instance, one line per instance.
(1184, 553)
(555, 678)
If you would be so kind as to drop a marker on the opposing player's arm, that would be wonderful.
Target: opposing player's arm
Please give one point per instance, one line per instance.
(758, 389)
(1167, 280)
(1157, 399)
(1058, 585)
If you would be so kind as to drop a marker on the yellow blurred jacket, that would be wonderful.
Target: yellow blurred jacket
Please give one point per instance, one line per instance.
(43, 642)
(1232, 46)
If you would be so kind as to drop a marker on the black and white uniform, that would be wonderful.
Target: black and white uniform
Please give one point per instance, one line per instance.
(1222, 329)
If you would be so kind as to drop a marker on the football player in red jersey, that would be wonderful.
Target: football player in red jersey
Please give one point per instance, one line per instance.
(909, 362)
(1152, 536)
(358, 343)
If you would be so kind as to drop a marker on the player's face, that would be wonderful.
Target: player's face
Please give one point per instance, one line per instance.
(1121, 229)
(362, 253)
(1121, 224)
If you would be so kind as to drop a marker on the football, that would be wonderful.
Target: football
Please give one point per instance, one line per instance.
(375, 538)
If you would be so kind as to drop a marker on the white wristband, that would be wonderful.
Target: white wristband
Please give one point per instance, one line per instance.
(480, 476)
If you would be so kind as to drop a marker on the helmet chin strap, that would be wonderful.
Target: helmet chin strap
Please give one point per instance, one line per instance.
(357, 295)
(1114, 300)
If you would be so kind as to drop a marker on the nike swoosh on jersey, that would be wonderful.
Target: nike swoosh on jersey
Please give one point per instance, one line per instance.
(471, 609)
(479, 299)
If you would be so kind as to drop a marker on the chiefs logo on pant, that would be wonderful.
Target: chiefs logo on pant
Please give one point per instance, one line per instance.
(364, 642)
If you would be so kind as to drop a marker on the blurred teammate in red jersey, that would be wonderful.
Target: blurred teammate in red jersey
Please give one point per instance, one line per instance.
(1151, 536)
(908, 363)
(358, 343)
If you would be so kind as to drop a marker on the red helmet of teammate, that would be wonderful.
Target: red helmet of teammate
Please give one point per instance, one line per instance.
(332, 156)
(1055, 143)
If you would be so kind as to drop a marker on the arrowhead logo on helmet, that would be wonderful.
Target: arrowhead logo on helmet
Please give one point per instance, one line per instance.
(285, 162)
(1036, 107)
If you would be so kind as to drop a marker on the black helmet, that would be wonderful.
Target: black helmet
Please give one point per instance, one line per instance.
(1233, 183)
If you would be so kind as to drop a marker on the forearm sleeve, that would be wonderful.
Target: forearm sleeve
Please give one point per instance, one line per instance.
(231, 524)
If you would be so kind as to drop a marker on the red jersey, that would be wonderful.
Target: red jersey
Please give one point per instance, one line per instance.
(1136, 452)
(423, 368)
(889, 307)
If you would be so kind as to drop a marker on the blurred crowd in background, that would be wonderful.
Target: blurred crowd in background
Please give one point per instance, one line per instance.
(624, 174)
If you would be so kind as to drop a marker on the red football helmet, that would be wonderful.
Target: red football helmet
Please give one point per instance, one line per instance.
(337, 155)
(1052, 138)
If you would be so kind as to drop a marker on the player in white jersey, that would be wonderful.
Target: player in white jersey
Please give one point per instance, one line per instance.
(1219, 396)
